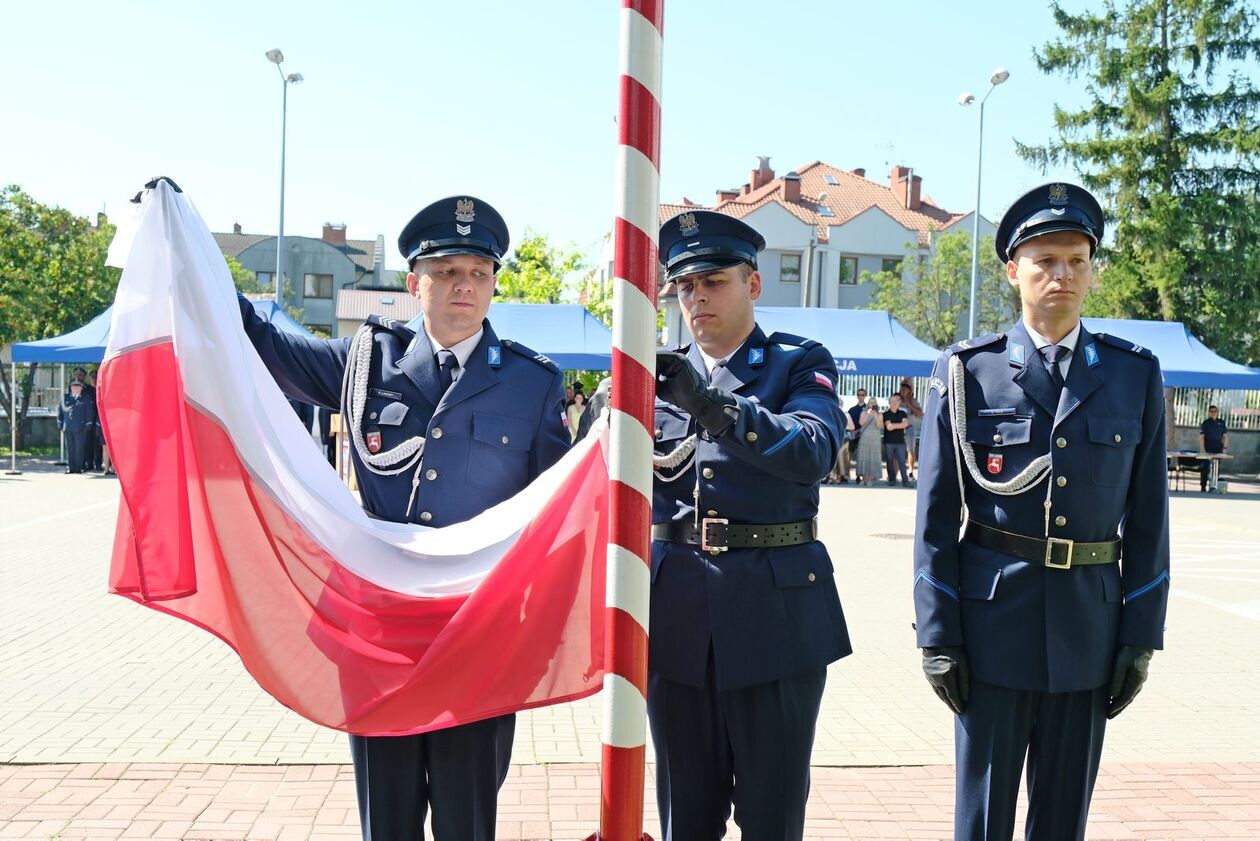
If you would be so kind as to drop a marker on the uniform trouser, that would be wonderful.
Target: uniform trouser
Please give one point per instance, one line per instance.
(1062, 735)
(93, 458)
(457, 771)
(76, 451)
(748, 746)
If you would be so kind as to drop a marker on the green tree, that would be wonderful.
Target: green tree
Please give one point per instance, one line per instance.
(53, 278)
(535, 272)
(1169, 139)
(928, 294)
(245, 279)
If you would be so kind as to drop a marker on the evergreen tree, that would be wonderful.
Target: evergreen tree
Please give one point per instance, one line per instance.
(1169, 140)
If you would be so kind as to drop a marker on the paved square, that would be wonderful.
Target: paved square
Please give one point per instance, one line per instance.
(95, 685)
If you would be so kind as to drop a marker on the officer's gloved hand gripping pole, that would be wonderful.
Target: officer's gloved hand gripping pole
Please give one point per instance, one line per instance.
(1132, 667)
(678, 382)
(946, 670)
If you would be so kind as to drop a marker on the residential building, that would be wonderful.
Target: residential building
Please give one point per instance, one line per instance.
(317, 269)
(824, 228)
(355, 305)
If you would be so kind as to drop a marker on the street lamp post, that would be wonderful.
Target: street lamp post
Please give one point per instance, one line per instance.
(277, 58)
(999, 76)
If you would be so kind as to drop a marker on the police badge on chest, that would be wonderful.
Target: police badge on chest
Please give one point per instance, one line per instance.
(995, 463)
(373, 441)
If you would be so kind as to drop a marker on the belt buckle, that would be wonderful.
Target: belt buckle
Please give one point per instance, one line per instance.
(1050, 543)
(704, 534)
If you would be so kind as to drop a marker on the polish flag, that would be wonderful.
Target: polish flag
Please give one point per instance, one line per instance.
(232, 520)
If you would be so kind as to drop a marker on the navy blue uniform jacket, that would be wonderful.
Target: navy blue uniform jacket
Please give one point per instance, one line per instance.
(497, 428)
(1025, 625)
(767, 612)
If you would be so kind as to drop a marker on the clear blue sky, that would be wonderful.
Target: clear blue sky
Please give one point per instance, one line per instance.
(406, 102)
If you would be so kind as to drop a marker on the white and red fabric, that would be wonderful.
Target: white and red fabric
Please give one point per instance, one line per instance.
(231, 519)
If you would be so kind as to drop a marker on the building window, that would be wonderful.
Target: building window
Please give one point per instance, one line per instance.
(890, 264)
(319, 286)
(790, 267)
(848, 271)
(265, 278)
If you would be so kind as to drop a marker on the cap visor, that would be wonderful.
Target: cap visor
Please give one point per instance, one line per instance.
(706, 264)
(457, 249)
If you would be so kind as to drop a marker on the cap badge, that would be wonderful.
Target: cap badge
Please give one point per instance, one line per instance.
(688, 225)
(464, 210)
(1058, 194)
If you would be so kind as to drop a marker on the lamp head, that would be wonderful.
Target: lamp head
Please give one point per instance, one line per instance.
(999, 76)
(295, 78)
(275, 56)
(965, 98)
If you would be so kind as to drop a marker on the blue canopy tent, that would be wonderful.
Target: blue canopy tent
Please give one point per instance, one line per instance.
(862, 341)
(567, 334)
(87, 344)
(1185, 361)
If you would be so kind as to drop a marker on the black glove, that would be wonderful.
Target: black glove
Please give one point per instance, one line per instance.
(946, 670)
(1132, 667)
(679, 383)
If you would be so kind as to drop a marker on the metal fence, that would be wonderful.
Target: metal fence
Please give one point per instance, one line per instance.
(1239, 409)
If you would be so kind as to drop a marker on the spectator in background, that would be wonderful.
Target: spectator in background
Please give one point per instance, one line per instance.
(573, 413)
(1213, 438)
(869, 424)
(595, 408)
(896, 421)
(855, 415)
(915, 412)
(840, 472)
(568, 394)
(95, 437)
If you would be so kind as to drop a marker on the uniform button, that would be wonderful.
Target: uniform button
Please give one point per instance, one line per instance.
(715, 551)
(1117, 438)
(711, 513)
(1060, 442)
(425, 516)
(997, 439)
(660, 433)
(504, 439)
(1060, 521)
(811, 576)
(707, 473)
(750, 437)
(372, 416)
(430, 474)
(437, 432)
(1061, 481)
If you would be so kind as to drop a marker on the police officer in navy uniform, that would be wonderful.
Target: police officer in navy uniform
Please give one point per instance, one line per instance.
(444, 423)
(78, 416)
(1038, 618)
(744, 612)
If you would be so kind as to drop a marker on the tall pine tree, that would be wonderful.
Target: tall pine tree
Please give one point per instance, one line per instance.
(1169, 140)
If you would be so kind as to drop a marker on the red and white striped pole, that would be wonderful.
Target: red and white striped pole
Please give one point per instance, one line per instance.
(633, 389)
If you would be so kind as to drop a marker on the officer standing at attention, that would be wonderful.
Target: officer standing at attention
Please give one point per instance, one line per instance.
(78, 415)
(445, 422)
(744, 611)
(1047, 442)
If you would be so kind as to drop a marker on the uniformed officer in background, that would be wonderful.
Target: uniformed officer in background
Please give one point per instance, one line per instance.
(77, 417)
(744, 611)
(444, 422)
(1038, 623)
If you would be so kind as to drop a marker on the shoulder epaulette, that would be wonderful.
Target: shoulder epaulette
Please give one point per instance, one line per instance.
(791, 339)
(398, 328)
(520, 350)
(973, 344)
(1123, 344)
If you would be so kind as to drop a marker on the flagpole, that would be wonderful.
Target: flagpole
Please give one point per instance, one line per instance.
(631, 442)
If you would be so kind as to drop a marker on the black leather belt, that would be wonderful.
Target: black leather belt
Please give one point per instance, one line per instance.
(717, 535)
(1054, 552)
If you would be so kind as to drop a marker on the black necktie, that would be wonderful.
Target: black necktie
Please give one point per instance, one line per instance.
(447, 363)
(1054, 354)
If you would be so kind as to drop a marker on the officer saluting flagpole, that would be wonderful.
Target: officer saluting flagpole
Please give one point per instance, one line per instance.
(630, 451)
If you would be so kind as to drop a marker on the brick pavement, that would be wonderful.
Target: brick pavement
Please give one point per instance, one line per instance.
(316, 802)
(92, 678)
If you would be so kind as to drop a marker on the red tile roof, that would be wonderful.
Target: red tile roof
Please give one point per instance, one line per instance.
(852, 195)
